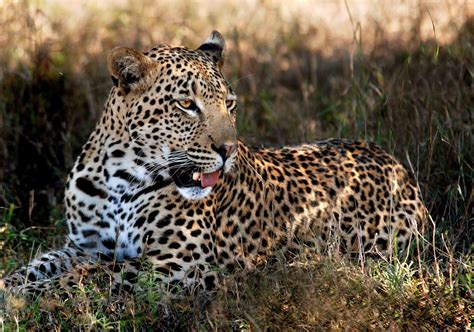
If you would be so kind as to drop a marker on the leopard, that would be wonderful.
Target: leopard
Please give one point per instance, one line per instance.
(163, 182)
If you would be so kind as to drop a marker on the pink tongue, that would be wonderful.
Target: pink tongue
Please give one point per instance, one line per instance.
(209, 179)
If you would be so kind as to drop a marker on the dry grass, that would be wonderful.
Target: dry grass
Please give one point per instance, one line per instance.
(397, 74)
(311, 293)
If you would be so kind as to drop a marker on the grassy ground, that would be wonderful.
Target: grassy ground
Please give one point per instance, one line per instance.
(312, 293)
(400, 75)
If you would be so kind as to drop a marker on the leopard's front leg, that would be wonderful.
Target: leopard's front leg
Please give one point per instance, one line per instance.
(46, 267)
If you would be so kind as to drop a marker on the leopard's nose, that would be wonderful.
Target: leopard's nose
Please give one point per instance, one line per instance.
(224, 150)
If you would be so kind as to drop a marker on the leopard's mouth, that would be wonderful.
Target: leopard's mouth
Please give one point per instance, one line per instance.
(185, 178)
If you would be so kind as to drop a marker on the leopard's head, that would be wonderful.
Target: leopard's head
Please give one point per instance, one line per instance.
(179, 111)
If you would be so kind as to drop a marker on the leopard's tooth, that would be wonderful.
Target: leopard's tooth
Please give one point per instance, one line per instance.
(196, 176)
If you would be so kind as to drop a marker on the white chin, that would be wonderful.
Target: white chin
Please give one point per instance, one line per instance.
(194, 193)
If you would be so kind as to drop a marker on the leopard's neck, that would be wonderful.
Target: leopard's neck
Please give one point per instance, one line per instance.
(249, 204)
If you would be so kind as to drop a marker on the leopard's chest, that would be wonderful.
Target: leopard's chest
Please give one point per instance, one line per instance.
(112, 211)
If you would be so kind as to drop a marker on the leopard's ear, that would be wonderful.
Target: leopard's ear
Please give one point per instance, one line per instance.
(214, 46)
(128, 68)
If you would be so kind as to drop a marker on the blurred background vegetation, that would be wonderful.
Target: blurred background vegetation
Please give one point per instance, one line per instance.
(398, 74)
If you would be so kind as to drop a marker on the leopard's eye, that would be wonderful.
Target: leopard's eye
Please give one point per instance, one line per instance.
(187, 104)
(231, 104)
